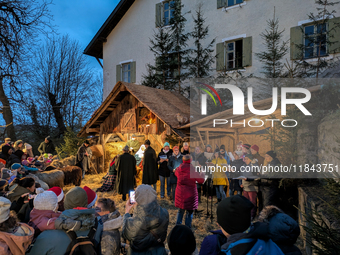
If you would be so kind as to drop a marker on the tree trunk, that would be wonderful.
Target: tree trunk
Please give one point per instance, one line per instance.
(7, 112)
(57, 114)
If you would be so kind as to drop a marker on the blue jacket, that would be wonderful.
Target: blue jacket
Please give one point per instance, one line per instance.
(174, 162)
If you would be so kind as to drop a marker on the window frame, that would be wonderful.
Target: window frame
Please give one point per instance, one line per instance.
(315, 45)
(235, 3)
(128, 71)
(168, 10)
(234, 51)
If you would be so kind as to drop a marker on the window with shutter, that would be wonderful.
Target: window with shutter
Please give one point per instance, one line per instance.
(334, 35)
(164, 13)
(118, 73)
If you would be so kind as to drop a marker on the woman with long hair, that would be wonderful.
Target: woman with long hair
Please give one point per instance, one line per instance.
(219, 177)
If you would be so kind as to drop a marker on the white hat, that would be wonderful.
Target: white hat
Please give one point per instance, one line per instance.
(47, 200)
(5, 205)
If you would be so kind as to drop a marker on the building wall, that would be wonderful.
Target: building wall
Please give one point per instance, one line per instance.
(130, 39)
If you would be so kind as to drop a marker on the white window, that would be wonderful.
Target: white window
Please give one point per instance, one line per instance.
(315, 43)
(233, 2)
(233, 54)
(168, 12)
(126, 72)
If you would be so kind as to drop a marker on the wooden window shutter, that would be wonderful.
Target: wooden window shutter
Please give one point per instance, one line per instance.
(118, 73)
(220, 56)
(296, 41)
(221, 3)
(334, 35)
(247, 51)
(159, 15)
(133, 72)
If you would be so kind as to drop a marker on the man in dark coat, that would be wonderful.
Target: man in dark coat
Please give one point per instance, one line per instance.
(163, 170)
(46, 146)
(150, 171)
(126, 172)
(84, 155)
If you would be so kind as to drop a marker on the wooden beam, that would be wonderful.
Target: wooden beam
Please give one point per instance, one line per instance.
(92, 130)
(107, 137)
(127, 120)
(121, 137)
(199, 134)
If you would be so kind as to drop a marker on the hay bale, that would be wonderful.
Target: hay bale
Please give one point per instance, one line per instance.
(52, 178)
(111, 150)
(72, 175)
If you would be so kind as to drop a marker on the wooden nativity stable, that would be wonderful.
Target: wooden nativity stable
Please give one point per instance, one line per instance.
(149, 113)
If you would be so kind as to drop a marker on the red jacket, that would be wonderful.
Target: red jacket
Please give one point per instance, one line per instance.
(43, 219)
(186, 190)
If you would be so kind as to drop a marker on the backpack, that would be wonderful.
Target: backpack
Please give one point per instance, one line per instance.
(260, 247)
(83, 245)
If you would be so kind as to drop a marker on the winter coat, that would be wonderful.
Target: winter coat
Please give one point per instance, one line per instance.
(112, 169)
(82, 160)
(184, 152)
(12, 159)
(211, 244)
(279, 227)
(148, 224)
(16, 243)
(134, 144)
(42, 220)
(163, 169)
(272, 182)
(174, 162)
(126, 172)
(25, 210)
(234, 183)
(150, 168)
(200, 158)
(220, 177)
(15, 197)
(46, 148)
(186, 196)
(258, 159)
(70, 219)
(250, 184)
(110, 243)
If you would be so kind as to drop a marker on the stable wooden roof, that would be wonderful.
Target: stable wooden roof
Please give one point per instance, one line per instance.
(164, 104)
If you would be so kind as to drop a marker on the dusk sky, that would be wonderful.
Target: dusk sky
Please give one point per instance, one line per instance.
(81, 19)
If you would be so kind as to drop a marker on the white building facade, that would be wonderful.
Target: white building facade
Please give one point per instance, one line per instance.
(123, 41)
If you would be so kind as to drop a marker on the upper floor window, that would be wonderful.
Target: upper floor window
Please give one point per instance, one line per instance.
(233, 55)
(315, 43)
(168, 12)
(126, 72)
(234, 2)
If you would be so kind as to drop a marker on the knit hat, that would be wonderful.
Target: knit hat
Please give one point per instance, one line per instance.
(47, 200)
(2, 161)
(5, 205)
(126, 148)
(5, 149)
(166, 144)
(48, 138)
(145, 194)
(15, 166)
(91, 197)
(249, 156)
(181, 240)
(222, 147)
(5, 173)
(3, 184)
(271, 153)
(58, 191)
(247, 146)
(175, 147)
(76, 197)
(7, 140)
(255, 147)
(39, 190)
(233, 214)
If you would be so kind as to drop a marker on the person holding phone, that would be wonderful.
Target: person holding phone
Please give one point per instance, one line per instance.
(146, 229)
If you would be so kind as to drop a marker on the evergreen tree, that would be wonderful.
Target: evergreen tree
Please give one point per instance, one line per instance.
(179, 39)
(200, 60)
(275, 49)
(318, 39)
(159, 75)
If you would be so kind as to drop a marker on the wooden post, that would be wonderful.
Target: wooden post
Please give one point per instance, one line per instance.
(102, 142)
(199, 134)
(237, 139)
(207, 137)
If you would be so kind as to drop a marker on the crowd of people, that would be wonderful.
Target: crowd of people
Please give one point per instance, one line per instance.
(37, 221)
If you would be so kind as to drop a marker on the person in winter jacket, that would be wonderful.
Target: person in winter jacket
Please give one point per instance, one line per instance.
(6, 142)
(147, 228)
(19, 145)
(186, 198)
(91, 197)
(224, 154)
(245, 150)
(8, 156)
(133, 143)
(185, 149)
(112, 220)
(60, 195)
(19, 194)
(269, 187)
(174, 162)
(199, 160)
(219, 176)
(150, 167)
(163, 170)
(250, 185)
(44, 213)
(126, 172)
(110, 179)
(15, 237)
(46, 146)
(254, 149)
(234, 183)
(181, 241)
